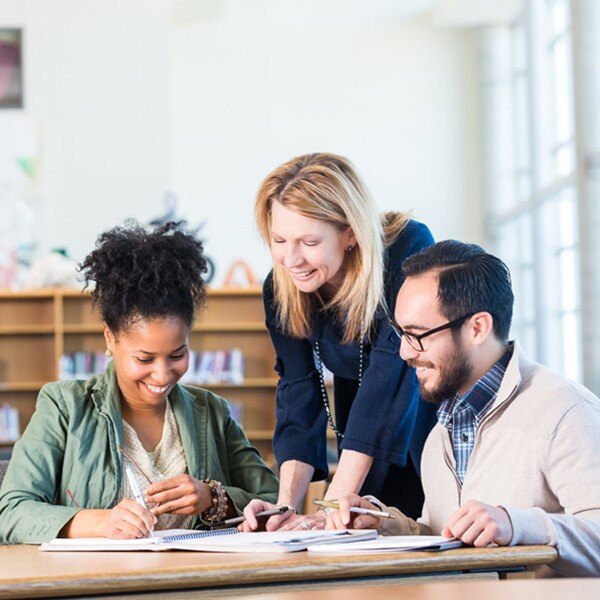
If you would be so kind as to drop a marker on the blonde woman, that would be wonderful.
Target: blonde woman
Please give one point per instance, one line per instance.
(328, 302)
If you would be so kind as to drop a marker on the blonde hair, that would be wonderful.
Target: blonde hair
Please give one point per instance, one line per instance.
(326, 187)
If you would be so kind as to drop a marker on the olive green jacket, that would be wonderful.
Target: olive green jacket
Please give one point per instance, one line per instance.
(71, 443)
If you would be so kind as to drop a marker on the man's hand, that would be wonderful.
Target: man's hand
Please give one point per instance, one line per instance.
(479, 524)
(344, 519)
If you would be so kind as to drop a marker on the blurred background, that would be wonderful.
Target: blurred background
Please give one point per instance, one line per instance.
(478, 116)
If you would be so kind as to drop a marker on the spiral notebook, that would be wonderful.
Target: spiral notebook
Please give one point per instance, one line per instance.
(219, 540)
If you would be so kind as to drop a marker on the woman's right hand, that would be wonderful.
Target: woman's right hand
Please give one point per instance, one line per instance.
(127, 520)
(272, 524)
(344, 519)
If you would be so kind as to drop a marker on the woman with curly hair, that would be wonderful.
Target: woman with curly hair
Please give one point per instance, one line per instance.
(67, 476)
(329, 301)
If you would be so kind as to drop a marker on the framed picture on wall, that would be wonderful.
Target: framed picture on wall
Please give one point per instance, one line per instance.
(11, 68)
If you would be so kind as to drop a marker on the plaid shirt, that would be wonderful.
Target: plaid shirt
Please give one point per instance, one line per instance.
(461, 415)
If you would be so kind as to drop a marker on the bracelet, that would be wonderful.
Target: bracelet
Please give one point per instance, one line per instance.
(219, 505)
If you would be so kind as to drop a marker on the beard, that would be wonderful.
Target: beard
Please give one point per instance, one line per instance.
(454, 372)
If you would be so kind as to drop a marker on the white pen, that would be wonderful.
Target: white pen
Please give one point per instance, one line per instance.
(354, 509)
(367, 511)
(135, 488)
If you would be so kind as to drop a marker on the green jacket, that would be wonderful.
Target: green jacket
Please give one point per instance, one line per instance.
(72, 443)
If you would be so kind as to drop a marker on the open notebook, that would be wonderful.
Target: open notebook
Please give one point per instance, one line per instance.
(219, 540)
(389, 543)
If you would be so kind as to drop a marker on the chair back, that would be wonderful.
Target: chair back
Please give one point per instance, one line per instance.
(3, 467)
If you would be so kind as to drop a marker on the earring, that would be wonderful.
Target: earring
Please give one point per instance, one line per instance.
(108, 353)
(349, 248)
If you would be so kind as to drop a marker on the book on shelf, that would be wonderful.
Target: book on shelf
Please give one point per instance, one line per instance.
(215, 367)
(82, 365)
(237, 412)
(9, 424)
(218, 540)
(205, 368)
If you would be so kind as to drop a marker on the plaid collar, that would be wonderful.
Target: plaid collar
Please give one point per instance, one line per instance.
(480, 397)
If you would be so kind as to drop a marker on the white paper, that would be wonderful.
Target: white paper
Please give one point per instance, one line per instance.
(390, 543)
(267, 542)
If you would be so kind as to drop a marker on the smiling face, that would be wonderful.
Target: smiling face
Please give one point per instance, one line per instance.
(150, 357)
(444, 368)
(312, 251)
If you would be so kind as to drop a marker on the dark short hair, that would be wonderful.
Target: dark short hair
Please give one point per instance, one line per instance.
(470, 281)
(145, 274)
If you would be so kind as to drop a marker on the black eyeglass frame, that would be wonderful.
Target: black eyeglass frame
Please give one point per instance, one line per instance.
(418, 337)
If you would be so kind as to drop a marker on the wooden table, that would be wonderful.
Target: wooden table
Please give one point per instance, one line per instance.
(25, 572)
(533, 589)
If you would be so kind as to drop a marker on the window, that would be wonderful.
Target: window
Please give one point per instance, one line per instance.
(532, 216)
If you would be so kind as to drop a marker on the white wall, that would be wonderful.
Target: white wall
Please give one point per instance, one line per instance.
(97, 83)
(132, 104)
(254, 87)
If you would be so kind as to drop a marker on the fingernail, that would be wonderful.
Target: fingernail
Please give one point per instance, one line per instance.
(358, 523)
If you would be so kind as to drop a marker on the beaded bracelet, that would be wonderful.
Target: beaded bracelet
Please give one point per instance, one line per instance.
(219, 508)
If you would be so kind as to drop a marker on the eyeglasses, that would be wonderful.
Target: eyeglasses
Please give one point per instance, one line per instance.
(415, 341)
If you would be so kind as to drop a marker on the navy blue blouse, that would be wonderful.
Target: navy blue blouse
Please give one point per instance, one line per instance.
(383, 416)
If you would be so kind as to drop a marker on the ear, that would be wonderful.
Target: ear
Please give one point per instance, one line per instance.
(480, 327)
(109, 338)
(351, 238)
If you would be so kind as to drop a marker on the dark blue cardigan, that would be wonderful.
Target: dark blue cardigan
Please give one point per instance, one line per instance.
(385, 419)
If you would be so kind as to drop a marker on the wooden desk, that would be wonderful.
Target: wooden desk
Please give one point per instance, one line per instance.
(533, 589)
(26, 573)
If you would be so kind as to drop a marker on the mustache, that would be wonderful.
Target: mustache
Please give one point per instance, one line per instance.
(418, 363)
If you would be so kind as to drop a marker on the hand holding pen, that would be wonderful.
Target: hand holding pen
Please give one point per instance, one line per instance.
(353, 511)
(256, 508)
(130, 518)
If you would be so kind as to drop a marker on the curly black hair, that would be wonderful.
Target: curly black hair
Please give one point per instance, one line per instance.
(142, 274)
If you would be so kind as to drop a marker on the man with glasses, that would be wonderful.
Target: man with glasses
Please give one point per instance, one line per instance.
(515, 455)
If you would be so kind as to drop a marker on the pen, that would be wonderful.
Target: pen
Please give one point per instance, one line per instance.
(135, 488)
(128, 457)
(264, 513)
(137, 494)
(355, 509)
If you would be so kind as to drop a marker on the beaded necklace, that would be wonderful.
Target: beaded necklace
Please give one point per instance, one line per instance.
(324, 394)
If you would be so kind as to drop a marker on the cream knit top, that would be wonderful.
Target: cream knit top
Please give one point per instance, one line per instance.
(165, 461)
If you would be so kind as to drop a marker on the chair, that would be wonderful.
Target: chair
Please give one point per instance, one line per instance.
(3, 467)
(316, 491)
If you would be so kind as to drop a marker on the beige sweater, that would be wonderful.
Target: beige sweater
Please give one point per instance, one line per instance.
(537, 454)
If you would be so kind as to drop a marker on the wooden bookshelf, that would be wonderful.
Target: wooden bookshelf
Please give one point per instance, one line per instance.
(38, 326)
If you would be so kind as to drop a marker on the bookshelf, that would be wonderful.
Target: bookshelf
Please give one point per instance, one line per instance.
(37, 327)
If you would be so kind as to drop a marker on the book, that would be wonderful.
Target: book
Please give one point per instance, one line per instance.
(390, 543)
(9, 423)
(82, 365)
(237, 412)
(218, 540)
